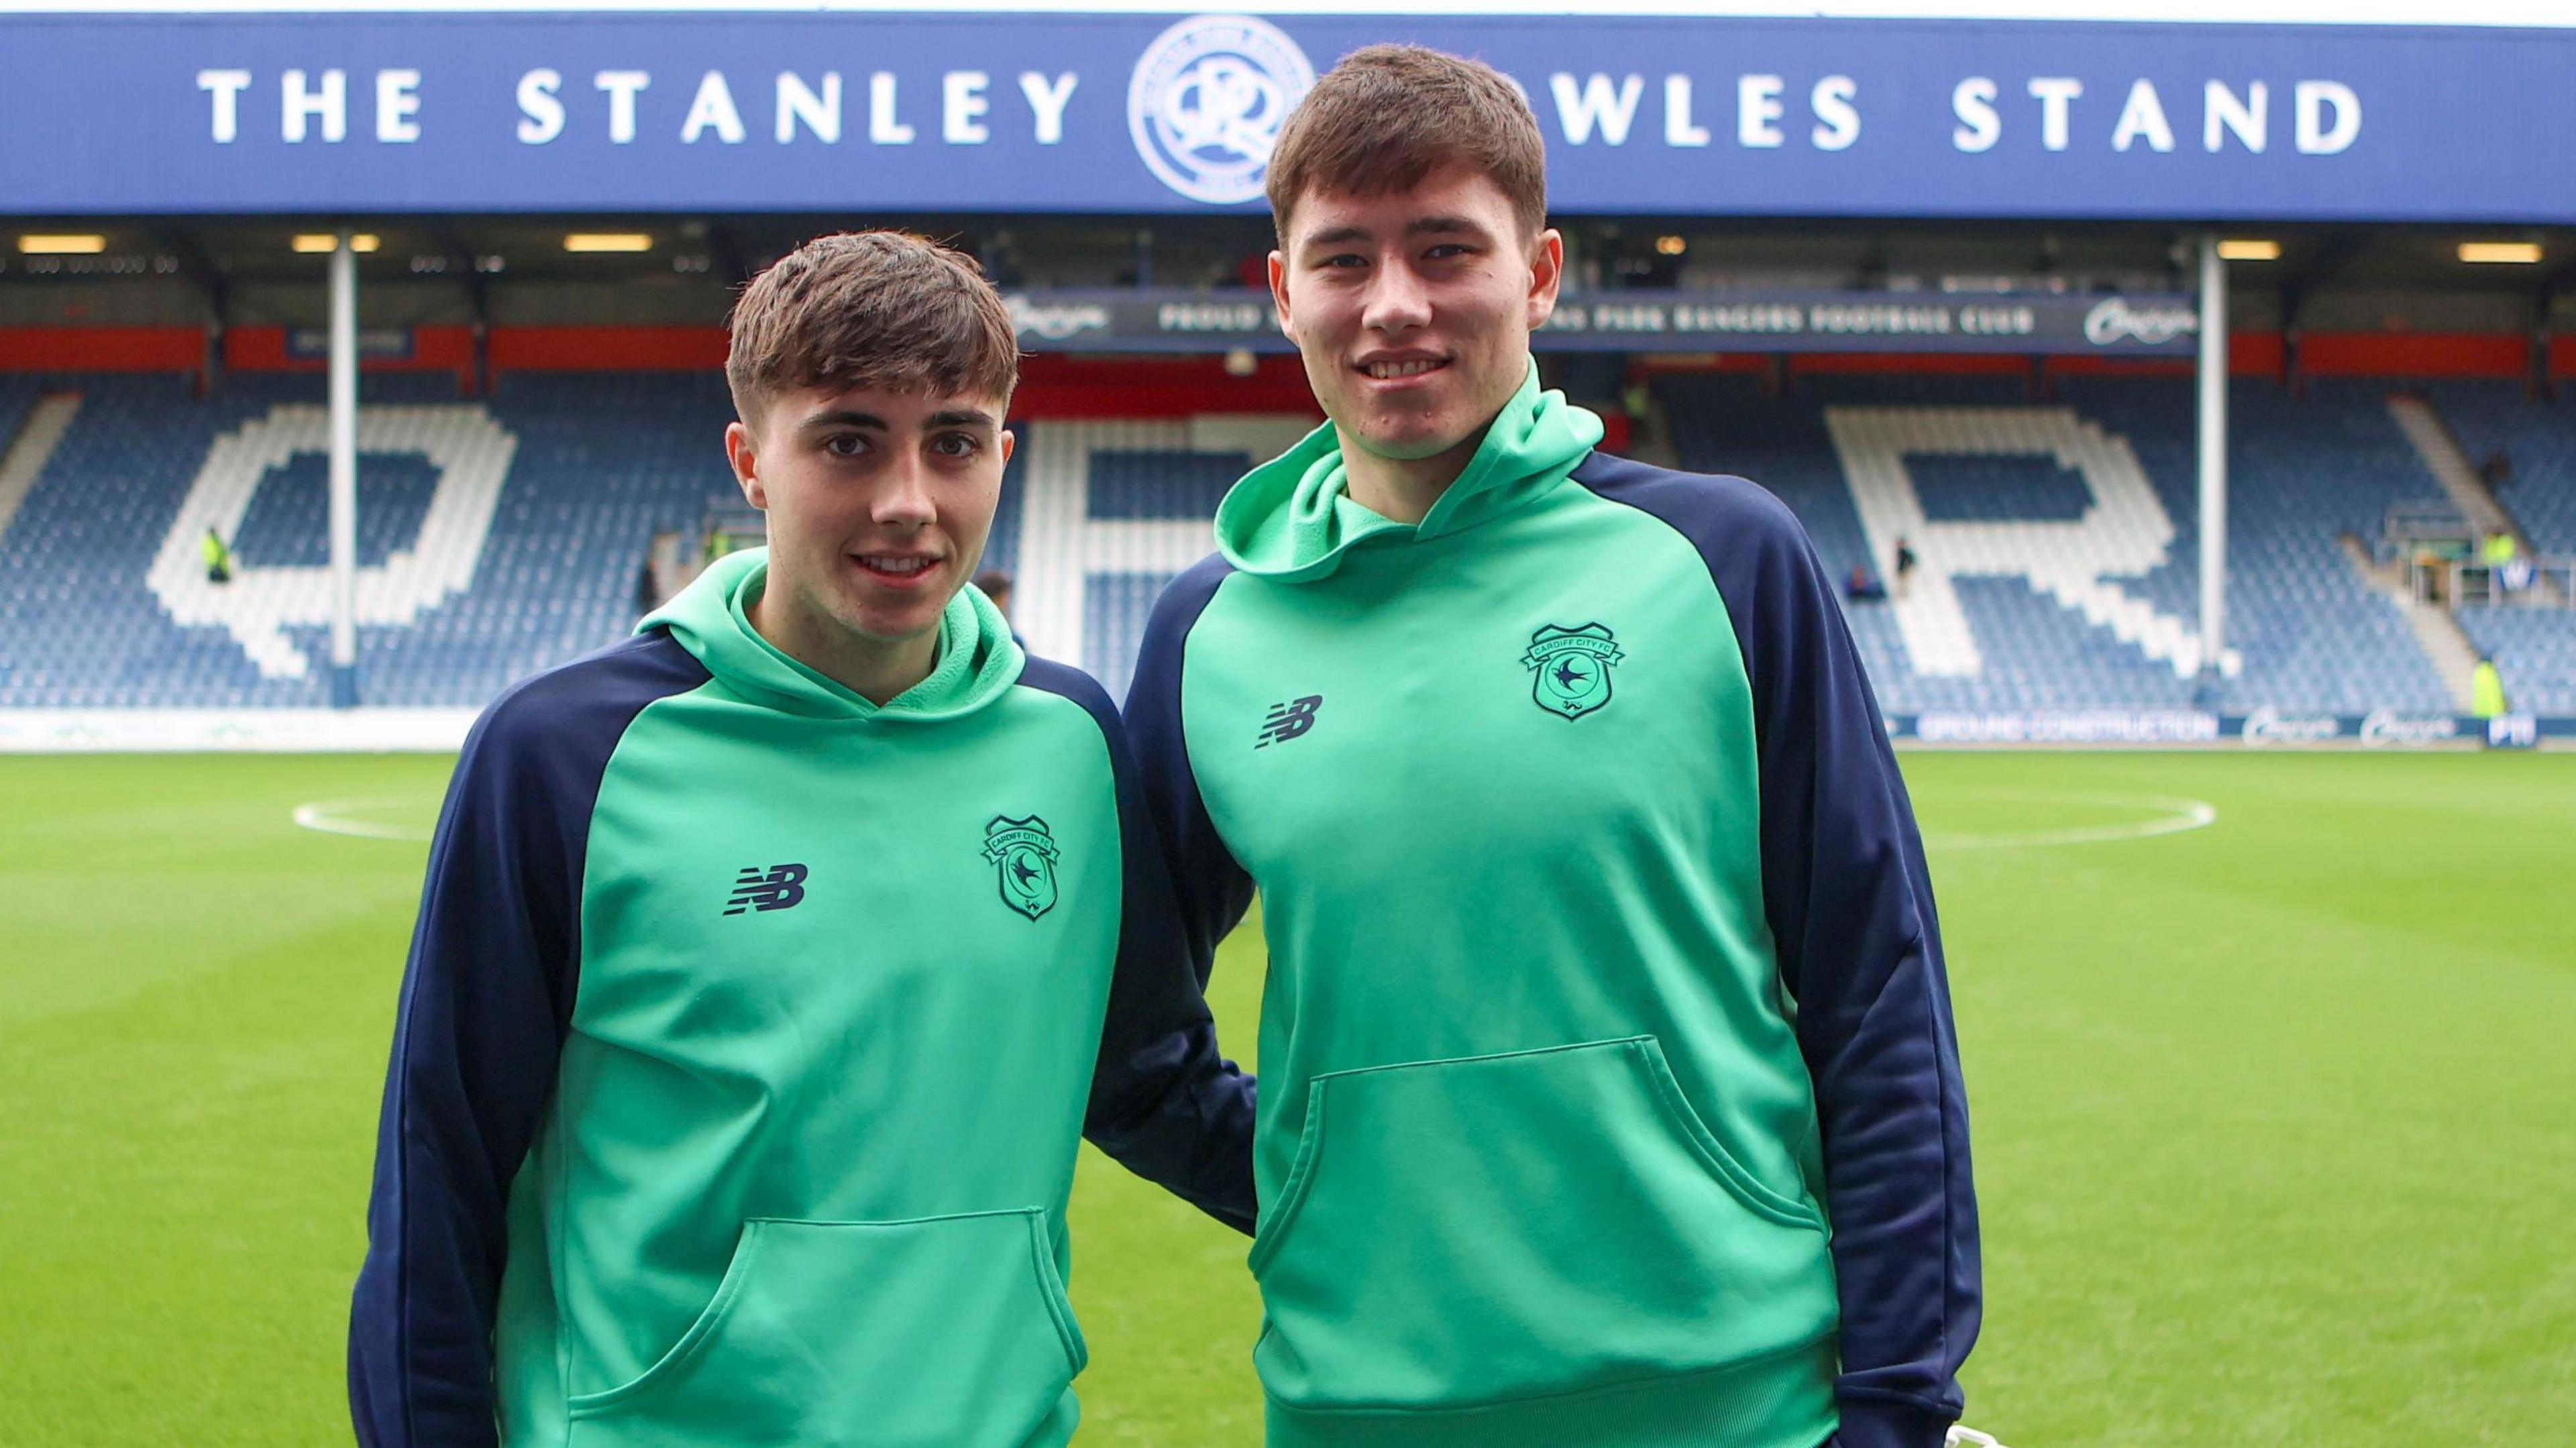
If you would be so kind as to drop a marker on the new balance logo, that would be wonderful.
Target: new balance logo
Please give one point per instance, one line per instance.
(1287, 721)
(775, 888)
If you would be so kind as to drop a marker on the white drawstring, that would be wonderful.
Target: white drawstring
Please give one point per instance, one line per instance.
(1969, 1438)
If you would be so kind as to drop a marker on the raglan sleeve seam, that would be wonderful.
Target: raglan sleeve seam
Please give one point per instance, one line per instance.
(1211, 888)
(508, 865)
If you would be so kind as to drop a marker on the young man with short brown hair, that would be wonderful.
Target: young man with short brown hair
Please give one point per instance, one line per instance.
(1614, 1101)
(757, 1000)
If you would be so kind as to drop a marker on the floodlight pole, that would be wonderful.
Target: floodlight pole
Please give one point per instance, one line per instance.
(344, 473)
(2213, 465)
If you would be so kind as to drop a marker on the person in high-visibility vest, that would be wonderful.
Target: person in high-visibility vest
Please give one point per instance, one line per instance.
(2486, 690)
(219, 559)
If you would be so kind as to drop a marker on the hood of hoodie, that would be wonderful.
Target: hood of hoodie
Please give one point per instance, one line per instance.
(1293, 518)
(976, 663)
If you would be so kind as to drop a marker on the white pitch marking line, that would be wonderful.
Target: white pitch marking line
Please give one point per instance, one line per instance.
(2175, 815)
(330, 816)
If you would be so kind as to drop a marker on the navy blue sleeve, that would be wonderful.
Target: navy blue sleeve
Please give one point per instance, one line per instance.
(1164, 1101)
(1850, 908)
(486, 999)
(1209, 888)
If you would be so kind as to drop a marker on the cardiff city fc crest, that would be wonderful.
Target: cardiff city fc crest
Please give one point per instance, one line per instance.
(1573, 668)
(1023, 855)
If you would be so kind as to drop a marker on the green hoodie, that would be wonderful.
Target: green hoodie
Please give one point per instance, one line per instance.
(1539, 1154)
(821, 986)
(1292, 518)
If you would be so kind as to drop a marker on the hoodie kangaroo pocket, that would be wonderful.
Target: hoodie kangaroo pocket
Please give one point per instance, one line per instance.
(1497, 1228)
(943, 1332)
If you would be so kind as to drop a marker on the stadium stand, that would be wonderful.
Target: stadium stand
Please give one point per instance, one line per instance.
(2311, 632)
(549, 568)
(2534, 650)
(2058, 533)
(2533, 644)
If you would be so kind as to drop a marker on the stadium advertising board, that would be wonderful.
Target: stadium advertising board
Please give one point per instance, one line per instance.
(2264, 728)
(90, 731)
(1133, 320)
(661, 111)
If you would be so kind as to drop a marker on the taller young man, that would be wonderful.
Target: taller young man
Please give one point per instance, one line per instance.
(1612, 1095)
(759, 984)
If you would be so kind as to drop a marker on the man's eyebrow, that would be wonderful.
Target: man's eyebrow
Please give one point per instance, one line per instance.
(961, 417)
(1421, 224)
(1418, 226)
(843, 417)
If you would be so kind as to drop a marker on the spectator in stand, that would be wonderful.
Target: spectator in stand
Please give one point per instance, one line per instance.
(1904, 564)
(1861, 586)
(2498, 553)
(2496, 471)
(219, 559)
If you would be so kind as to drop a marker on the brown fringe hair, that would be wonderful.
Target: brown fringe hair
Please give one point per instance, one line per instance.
(884, 310)
(1389, 115)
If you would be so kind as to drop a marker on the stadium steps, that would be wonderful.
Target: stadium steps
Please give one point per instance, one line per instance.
(2446, 645)
(2449, 464)
(2443, 451)
(32, 448)
(2537, 441)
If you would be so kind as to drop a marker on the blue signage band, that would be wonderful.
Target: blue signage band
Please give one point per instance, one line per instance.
(659, 111)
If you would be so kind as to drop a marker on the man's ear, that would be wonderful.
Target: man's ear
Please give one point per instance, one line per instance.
(1010, 442)
(740, 450)
(1279, 290)
(1547, 274)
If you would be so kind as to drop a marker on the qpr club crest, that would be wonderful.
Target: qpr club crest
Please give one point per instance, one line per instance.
(1023, 853)
(1206, 102)
(1572, 667)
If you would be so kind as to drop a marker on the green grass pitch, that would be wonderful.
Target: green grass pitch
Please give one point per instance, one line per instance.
(2275, 1119)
